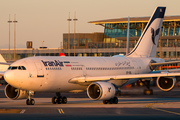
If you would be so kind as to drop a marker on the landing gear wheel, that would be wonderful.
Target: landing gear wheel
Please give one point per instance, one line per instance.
(54, 100)
(111, 101)
(27, 102)
(59, 100)
(64, 100)
(30, 102)
(115, 100)
(105, 101)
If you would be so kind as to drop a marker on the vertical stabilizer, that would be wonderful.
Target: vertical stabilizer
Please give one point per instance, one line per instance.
(147, 43)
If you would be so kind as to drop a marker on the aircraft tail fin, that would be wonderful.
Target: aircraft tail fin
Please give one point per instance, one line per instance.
(147, 43)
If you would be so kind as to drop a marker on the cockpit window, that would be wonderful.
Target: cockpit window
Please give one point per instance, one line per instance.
(19, 68)
(9, 67)
(16, 67)
(23, 67)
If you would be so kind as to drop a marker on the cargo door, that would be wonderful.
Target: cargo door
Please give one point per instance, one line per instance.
(40, 72)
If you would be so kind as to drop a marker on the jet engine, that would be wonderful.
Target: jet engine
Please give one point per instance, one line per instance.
(101, 91)
(166, 83)
(14, 93)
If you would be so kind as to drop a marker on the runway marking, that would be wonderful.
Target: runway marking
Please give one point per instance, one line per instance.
(10, 111)
(22, 111)
(166, 111)
(150, 106)
(61, 111)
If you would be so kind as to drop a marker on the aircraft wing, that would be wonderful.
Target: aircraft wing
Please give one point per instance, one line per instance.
(80, 80)
(4, 63)
(2, 73)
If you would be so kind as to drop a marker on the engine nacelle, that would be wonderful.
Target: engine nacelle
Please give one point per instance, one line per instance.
(14, 93)
(166, 83)
(101, 91)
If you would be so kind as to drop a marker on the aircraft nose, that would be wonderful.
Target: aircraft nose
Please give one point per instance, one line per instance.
(9, 76)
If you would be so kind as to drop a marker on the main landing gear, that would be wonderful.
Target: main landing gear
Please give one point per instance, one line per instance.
(30, 101)
(148, 90)
(59, 99)
(111, 101)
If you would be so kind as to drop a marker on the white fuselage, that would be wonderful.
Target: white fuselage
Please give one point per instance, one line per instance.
(53, 73)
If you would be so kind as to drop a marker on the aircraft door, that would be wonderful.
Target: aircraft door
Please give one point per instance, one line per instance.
(40, 72)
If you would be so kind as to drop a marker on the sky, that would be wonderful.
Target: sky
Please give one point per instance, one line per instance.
(46, 20)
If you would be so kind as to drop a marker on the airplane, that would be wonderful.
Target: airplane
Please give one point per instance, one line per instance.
(101, 77)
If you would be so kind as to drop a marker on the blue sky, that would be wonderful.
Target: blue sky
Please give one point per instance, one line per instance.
(46, 20)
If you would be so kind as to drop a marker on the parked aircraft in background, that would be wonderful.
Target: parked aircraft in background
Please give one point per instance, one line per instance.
(101, 77)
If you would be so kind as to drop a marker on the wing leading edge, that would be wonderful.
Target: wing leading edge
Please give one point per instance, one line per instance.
(80, 80)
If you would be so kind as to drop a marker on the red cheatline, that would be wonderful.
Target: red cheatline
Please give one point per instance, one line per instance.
(68, 65)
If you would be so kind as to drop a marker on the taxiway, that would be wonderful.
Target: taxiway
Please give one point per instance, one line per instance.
(132, 105)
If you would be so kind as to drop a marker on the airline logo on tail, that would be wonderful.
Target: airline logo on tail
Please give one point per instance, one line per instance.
(154, 34)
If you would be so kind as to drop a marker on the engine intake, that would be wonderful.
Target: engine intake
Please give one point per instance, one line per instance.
(14, 93)
(101, 91)
(166, 83)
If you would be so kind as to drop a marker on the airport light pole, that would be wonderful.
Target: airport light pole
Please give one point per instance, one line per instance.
(74, 32)
(42, 44)
(15, 36)
(69, 34)
(9, 36)
(127, 45)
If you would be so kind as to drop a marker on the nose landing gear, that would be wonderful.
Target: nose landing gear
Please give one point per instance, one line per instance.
(59, 99)
(30, 101)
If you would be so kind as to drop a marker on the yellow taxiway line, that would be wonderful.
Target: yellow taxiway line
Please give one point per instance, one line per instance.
(150, 106)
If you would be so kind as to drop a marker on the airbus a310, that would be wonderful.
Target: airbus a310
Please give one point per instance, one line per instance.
(101, 77)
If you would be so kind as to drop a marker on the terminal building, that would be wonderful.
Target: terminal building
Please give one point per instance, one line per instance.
(111, 42)
(115, 37)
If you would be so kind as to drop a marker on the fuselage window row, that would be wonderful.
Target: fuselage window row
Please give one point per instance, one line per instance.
(114, 68)
(53, 68)
(74, 68)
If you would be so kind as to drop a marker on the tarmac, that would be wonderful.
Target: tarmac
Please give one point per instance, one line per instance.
(132, 105)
